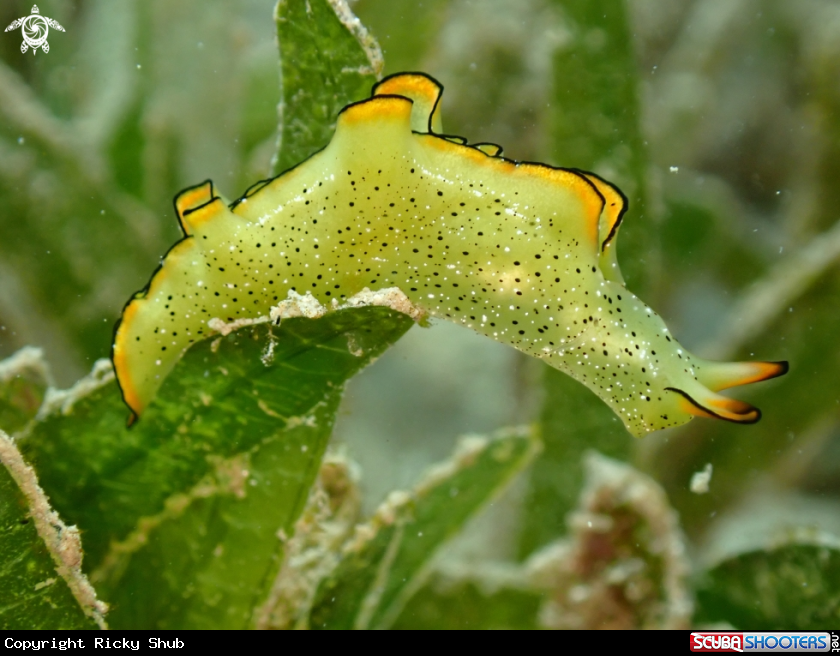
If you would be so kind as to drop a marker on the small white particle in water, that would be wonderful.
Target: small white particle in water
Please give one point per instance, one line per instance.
(700, 480)
(139, 67)
(675, 169)
(304, 448)
(21, 141)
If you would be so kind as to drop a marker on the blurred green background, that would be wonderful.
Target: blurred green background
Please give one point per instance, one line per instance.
(720, 119)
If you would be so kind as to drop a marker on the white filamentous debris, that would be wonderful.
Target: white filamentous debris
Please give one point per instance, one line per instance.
(310, 421)
(366, 40)
(307, 306)
(61, 401)
(468, 449)
(225, 329)
(391, 297)
(296, 305)
(27, 359)
(62, 541)
(396, 505)
(267, 356)
(700, 480)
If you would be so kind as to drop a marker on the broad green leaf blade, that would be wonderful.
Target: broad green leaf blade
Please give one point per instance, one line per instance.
(24, 378)
(327, 60)
(595, 127)
(574, 420)
(34, 594)
(409, 31)
(209, 564)
(180, 535)
(383, 565)
(457, 605)
(596, 117)
(795, 586)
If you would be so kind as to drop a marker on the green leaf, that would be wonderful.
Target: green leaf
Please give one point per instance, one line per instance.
(35, 595)
(327, 61)
(595, 126)
(795, 586)
(410, 29)
(181, 512)
(574, 420)
(383, 565)
(458, 605)
(595, 117)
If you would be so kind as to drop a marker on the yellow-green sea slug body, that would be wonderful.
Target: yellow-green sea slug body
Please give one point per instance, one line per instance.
(521, 252)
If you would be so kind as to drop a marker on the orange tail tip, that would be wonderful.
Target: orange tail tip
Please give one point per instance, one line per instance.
(702, 400)
(717, 407)
(723, 375)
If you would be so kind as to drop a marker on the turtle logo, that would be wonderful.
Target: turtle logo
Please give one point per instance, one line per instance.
(35, 29)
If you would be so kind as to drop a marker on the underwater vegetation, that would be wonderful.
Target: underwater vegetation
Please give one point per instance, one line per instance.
(456, 482)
